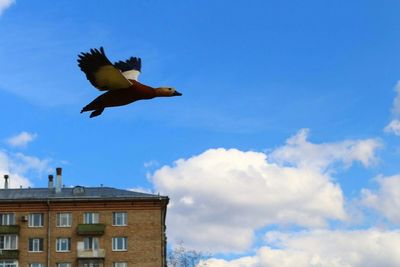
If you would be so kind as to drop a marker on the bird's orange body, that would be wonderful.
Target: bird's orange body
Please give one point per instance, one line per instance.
(122, 97)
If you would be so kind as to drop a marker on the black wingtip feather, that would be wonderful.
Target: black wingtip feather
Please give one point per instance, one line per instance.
(89, 63)
(133, 63)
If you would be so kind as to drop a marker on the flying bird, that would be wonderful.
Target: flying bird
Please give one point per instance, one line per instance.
(119, 80)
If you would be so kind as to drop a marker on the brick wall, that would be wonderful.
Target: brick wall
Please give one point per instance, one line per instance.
(144, 231)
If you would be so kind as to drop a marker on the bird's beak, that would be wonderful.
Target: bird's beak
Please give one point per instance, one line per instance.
(176, 93)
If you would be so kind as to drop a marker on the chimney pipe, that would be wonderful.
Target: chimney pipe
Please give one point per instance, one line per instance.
(6, 181)
(59, 179)
(51, 184)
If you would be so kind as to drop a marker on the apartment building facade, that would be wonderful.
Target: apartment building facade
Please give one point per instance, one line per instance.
(81, 227)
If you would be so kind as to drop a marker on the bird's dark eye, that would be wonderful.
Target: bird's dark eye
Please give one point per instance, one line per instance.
(169, 89)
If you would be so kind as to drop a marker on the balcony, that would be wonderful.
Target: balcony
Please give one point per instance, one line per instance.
(91, 229)
(9, 229)
(9, 254)
(91, 254)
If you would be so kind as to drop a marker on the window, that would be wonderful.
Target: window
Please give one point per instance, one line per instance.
(35, 265)
(8, 242)
(7, 218)
(91, 243)
(120, 264)
(120, 218)
(63, 244)
(91, 264)
(64, 219)
(8, 263)
(119, 243)
(90, 217)
(35, 220)
(63, 264)
(35, 244)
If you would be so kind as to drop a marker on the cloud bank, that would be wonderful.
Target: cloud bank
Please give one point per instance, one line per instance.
(323, 248)
(220, 197)
(386, 199)
(299, 152)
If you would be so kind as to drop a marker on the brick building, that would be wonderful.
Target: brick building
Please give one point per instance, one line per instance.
(81, 227)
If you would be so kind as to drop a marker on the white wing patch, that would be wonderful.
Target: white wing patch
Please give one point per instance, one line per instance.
(131, 74)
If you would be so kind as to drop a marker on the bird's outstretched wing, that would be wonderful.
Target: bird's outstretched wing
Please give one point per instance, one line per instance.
(101, 73)
(130, 68)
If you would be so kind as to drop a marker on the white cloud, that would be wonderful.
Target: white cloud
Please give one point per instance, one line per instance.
(386, 199)
(23, 163)
(393, 127)
(17, 166)
(22, 139)
(301, 153)
(322, 248)
(396, 101)
(4, 4)
(221, 197)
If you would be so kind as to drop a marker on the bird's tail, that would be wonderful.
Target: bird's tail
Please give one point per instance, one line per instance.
(88, 108)
(97, 112)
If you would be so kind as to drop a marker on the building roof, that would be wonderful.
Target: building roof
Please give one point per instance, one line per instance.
(75, 193)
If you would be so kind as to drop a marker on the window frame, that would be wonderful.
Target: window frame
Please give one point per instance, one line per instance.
(67, 264)
(119, 263)
(59, 220)
(9, 242)
(124, 218)
(94, 217)
(31, 220)
(91, 243)
(40, 244)
(7, 218)
(7, 263)
(59, 244)
(114, 244)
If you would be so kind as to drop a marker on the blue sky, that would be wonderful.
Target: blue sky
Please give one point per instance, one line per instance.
(302, 90)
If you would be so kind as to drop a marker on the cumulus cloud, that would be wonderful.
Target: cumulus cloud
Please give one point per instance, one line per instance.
(396, 101)
(18, 166)
(4, 4)
(22, 139)
(222, 196)
(386, 199)
(299, 152)
(394, 125)
(323, 248)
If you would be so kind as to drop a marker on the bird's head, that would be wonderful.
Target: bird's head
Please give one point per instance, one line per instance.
(167, 91)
